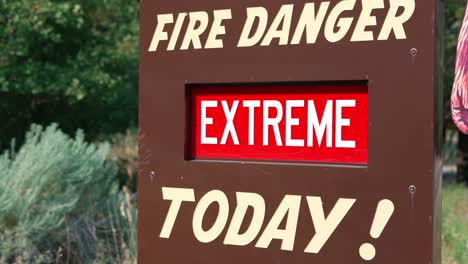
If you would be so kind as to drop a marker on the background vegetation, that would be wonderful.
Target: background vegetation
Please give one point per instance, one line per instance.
(70, 62)
(71, 65)
(67, 196)
(455, 225)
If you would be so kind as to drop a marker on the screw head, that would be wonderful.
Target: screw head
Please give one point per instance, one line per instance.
(151, 175)
(414, 51)
(412, 189)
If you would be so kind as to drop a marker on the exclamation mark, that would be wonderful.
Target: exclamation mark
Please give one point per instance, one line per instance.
(383, 213)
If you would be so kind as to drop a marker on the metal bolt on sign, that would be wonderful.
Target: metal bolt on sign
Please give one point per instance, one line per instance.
(151, 174)
(413, 53)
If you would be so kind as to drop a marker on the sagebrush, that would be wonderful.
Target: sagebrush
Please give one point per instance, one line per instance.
(59, 201)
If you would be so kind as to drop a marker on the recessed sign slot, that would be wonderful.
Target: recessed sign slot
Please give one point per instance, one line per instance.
(312, 123)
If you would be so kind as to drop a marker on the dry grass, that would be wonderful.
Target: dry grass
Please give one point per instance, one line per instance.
(125, 152)
(455, 225)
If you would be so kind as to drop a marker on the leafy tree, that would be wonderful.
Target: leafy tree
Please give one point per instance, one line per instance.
(71, 62)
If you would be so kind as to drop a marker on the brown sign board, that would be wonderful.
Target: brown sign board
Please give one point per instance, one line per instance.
(290, 131)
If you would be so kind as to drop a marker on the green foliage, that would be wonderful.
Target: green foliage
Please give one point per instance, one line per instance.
(51, 192)
(454, 225)
(64, 61)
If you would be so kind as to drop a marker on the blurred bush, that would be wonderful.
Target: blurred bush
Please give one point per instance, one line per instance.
(125, 153)
(70, 62)
(59, 202)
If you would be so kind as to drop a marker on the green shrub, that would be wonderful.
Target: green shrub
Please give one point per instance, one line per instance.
(70, 62)
(51, 196)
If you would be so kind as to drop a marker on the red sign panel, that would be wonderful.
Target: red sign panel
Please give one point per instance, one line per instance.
(294, 123)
